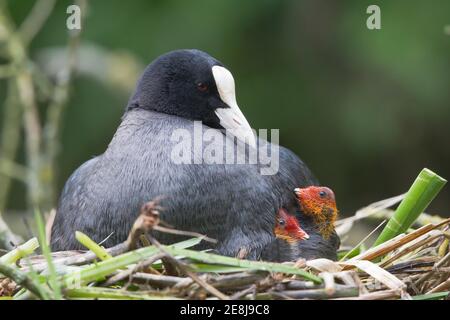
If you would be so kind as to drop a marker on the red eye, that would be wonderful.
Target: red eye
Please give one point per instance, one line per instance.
(202, 87)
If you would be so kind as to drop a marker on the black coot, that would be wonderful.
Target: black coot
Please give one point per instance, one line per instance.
(233, 203)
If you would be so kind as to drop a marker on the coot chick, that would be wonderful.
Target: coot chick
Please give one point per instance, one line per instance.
(287, 228)
(316, 213)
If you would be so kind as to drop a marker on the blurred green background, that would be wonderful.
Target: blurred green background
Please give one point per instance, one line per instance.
(366, 109)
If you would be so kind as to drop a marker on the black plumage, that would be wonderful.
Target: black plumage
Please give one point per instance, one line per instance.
(313, 248)
(316, 246)
(233, 203)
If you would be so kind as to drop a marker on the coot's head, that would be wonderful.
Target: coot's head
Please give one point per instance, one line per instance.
(319, 203)
(193, 85)
(288, 228)
(314, 200)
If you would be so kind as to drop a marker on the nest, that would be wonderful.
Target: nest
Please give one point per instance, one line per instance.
(414, 265)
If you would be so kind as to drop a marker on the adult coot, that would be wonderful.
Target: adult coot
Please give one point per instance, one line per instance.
(150, 156)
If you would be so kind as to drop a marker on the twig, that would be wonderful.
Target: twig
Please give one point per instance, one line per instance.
(129, 272)
(13, 170)
(297, 285)
(23, 280)
(362, 241)
(158, 281)
(395, 243)
(58, 103)
(149, 219)
(378, 295)
(191, 274)
(146, 221)
(40, 157)
(238, 295)
(329, 284)
(344, 225)
(26, 98)
(340, 292)
(444, 286)
(80, 258)
(184, 233)
(49, 224)
(104, 240)
(35, 20)
(10, 137)
(32, 135)
(172, 268)
(237, 280)
(411, 246)
(439, 264)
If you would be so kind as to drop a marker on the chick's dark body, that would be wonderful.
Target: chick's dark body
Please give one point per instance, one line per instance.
(315, 247)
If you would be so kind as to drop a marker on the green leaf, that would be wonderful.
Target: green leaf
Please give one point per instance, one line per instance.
(214, 268)
(432, 296)
(20, 252)
(98, 271)
(424, 189)
(52, 278)
(99, 251)
(187, 243)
